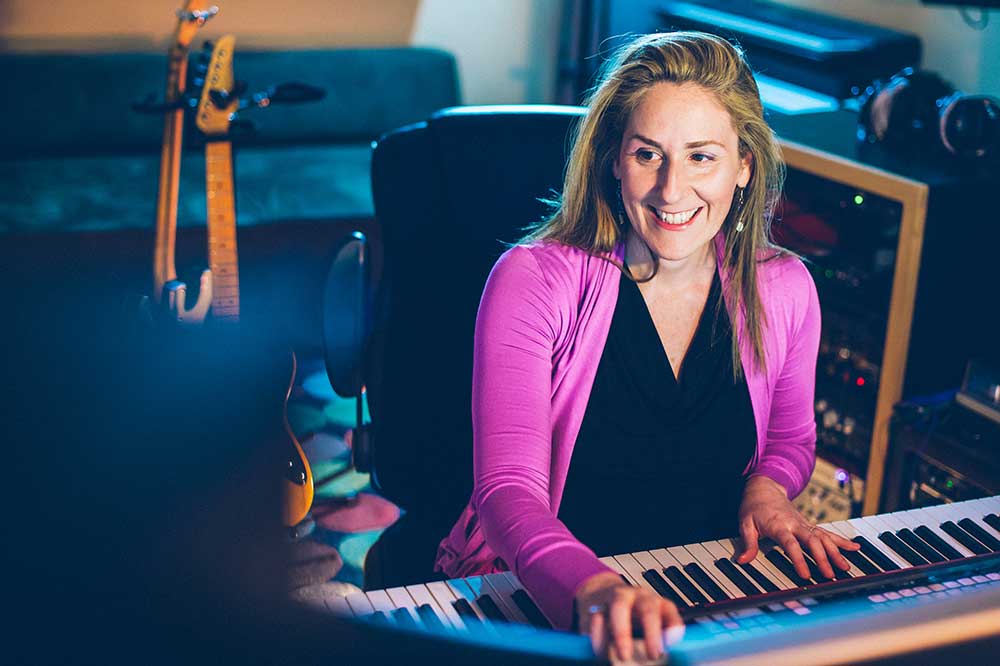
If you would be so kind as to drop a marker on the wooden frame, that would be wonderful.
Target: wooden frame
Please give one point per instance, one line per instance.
(912, 195)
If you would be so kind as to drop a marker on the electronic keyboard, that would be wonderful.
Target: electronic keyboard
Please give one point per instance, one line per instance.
(924, 567)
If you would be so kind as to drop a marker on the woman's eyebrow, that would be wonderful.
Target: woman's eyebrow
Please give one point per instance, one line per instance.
(691, 144)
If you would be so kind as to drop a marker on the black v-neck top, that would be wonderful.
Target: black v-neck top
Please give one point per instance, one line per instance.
(659, 460)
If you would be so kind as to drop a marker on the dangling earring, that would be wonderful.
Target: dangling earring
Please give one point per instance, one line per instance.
(739, 209)
(620, 205)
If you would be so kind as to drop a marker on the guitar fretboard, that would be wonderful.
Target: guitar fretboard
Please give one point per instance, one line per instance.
(222, 254)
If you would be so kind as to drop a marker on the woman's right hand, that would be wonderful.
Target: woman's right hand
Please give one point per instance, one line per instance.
(608, 607)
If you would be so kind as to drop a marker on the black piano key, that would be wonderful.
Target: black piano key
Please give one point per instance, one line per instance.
(663, 588)
(942, 546)
(705, 581)
(919, 545)
(739, 579)
(429, 617)
(379, 617)
(814, 571)
(901, 549)
(763, 581)
(675, 576)
(964, 538)
(987, 539)
(875, 555)
(403, 618)
(530, 610)
(839, 573)
(785, 566)
(490, 608)
(993, 520)
(466, 612)
(861, 562)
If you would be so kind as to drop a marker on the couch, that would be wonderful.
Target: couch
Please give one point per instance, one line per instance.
(79, 168)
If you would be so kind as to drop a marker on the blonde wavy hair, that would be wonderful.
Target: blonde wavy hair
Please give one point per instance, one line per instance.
(585, 215)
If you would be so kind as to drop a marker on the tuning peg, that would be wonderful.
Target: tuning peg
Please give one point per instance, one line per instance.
(220, 98)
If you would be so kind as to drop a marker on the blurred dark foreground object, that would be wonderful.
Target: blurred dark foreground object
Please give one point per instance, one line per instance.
(141, 498)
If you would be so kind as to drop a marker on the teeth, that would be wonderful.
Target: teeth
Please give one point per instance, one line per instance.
(677, 218)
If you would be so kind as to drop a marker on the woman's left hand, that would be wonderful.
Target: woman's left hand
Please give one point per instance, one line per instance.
(766, 511)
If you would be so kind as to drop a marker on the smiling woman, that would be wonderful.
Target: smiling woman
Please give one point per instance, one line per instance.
(677, 191)
(645, 359)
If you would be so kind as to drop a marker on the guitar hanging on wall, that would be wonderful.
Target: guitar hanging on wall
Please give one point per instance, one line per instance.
(216, 108)
(169, 292)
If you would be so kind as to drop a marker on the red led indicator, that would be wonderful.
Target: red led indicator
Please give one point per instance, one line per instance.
(860, 381)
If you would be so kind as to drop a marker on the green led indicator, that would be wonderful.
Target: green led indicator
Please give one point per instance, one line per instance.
(949, 483)
(828, 273)
(858, 199)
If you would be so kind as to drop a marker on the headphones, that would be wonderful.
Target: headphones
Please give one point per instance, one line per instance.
(914, 111)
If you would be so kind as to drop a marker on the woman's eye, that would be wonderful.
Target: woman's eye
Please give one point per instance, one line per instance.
(701, 157)
(645, 155)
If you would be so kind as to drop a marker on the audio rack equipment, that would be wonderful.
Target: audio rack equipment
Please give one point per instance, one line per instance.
(901, 253)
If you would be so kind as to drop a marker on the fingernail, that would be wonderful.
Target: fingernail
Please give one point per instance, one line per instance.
(673, 635)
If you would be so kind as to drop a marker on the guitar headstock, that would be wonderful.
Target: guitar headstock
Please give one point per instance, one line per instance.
(193, 15)
(217, 102)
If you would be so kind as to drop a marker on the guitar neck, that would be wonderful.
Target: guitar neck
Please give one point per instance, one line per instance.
(164, 268)
(222, 255)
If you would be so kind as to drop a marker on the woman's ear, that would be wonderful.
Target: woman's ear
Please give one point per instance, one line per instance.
(746, 168)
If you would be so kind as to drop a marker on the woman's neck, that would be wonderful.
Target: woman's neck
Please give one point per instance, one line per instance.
(670, 274)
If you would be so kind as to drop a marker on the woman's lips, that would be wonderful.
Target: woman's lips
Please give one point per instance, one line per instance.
(674, 227)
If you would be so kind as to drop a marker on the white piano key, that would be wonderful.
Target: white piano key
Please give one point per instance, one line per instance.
(942, 513)
(870, 532)
(685, 556)
(853, 571)
(974, 510)
(380, 601)
(986, 526)
(899, 520)
(612, 563)
(707, 563)
(461, 589)
(915, 518)
(761, 563)
(647, 561)
(978, 509)
(479, 587)
(633, 569)
(719, 552)
(985, 505)
(876, 526)
(402, 599)
(501, 594)
(338, 605)
(445, 599)
(359, 604)
(515, 585)
(682, 557)
(421, 595)
(850, 529)
(666, 560)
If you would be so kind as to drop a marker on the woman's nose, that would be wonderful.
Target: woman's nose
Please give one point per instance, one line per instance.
(671, 183)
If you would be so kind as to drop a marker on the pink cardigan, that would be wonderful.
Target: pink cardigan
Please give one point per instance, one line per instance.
(540, 332)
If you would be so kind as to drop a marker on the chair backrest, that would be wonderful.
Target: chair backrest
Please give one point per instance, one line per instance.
(449, 193)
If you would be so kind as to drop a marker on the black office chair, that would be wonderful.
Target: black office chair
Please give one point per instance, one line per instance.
(449, 193)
